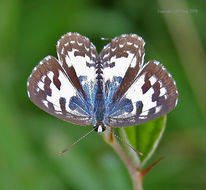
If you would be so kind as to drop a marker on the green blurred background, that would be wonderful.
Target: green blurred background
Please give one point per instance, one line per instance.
(175, 34)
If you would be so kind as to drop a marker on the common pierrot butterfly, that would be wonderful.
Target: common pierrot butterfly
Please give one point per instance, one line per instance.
(114, 88)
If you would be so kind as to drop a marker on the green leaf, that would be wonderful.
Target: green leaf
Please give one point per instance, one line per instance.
(144, 138)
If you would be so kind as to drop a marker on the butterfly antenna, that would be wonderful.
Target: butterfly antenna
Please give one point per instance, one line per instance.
(70, 146)
(123, 141)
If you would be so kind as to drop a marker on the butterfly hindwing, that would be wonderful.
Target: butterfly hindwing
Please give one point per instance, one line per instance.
(50, 89)
(151, 95)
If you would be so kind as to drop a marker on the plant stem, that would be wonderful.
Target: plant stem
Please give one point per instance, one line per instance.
(135, 174)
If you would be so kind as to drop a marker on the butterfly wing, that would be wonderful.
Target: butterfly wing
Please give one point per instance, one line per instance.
(65, 87)
(121, 60)
(152, 94)
(78, 58)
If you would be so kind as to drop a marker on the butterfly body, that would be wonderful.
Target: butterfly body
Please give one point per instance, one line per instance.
(114, 88)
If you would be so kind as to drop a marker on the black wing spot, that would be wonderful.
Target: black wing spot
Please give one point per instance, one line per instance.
(74, 102)
(62, 102)
(139, 106)
(152, 111)
(127, 105)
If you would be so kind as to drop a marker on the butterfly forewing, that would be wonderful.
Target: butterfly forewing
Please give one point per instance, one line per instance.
(121, 60)
(50, 89)
(78, 57)
(151, 95)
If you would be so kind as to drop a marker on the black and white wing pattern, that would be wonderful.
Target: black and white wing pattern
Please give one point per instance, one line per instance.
(78, 57)
(61, 87)
(152, 94)
(121, 60)
(140, 93)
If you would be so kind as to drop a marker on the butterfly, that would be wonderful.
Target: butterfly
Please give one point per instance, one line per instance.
(114, 88)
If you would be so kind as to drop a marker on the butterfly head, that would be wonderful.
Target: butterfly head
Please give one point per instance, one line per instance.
(100, 127)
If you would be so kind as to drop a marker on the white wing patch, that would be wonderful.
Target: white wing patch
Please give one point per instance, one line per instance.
(163, 91)
(45, 103)
(158, 109)
(40, 85)
(80, 65)
(152, 79)
(68, 61)
(50, 74)
(135, 94)
(66, 91)
(120, 68)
